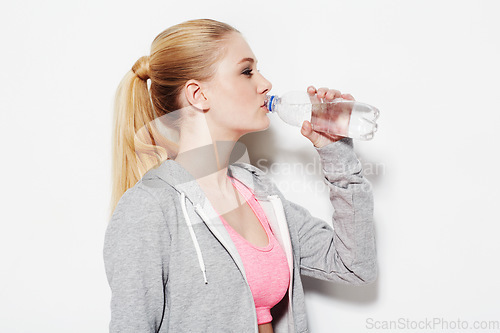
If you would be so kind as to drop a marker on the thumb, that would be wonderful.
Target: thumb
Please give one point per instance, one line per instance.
(316, 139)
(306, 129)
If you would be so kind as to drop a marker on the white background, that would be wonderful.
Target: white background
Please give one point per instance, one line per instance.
(431, 67)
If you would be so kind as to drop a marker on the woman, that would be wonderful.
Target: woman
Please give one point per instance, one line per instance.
(198, 244)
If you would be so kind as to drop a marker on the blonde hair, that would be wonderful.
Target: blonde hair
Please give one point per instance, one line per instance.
(185, 51)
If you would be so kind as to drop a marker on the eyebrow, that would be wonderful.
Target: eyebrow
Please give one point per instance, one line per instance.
(247, 59)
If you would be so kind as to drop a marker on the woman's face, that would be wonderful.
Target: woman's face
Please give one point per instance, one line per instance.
(237, 92)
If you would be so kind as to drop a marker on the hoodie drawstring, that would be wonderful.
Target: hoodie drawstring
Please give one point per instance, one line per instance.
(193, 237)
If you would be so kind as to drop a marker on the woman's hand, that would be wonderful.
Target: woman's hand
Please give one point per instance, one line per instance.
(320, 139)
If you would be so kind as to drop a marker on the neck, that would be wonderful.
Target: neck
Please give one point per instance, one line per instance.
(208, 164)
(206, 156)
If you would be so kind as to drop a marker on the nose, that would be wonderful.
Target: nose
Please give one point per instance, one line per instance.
(264, 85)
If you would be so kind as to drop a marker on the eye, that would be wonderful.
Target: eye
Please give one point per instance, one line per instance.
(247, 72)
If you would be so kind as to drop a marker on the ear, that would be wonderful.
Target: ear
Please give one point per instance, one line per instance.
(194, 94)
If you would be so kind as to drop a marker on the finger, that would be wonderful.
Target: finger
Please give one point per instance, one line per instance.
(333, 93)
(311, 90)
(322, 92)
(348, 96)
(313, 97)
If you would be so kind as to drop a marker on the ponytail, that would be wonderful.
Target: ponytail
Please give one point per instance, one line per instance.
(136, 144)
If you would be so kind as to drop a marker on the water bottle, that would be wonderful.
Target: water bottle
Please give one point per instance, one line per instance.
(340, 116)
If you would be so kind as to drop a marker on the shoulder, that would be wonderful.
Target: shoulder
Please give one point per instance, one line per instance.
(136, 207)
(141, 210)
(148, 194)
(138, 197)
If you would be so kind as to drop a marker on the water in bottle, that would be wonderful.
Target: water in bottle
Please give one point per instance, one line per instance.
(338, 117)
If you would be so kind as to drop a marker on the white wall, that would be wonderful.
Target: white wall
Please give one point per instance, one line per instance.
(431, 67)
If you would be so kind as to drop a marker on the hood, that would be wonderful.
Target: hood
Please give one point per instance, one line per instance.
(171, 173)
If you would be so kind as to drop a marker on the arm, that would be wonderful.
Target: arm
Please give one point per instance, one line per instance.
(136, 260)
(346, 253)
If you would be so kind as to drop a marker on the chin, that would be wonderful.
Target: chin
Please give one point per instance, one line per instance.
(261, 125)
(265, 124)
(257, 129)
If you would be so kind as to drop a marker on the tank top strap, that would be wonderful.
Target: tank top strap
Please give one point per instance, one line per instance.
(252, 202)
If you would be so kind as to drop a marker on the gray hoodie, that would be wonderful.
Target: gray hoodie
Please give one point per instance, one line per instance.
(172, 266)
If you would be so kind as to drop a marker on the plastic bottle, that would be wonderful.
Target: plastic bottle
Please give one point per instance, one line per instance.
(338, 117)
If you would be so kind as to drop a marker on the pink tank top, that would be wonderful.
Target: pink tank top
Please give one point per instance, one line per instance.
(266, 267)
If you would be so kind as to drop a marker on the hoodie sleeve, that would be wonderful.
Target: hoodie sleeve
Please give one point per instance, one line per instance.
(136, 248)
(345, 253)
